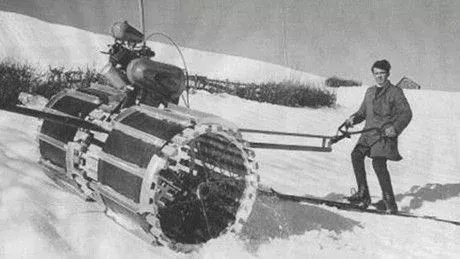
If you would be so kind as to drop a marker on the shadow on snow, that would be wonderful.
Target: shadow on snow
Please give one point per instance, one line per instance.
(273, 218)
(430, 192)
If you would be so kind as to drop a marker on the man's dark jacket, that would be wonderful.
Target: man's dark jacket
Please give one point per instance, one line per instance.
(389, 108)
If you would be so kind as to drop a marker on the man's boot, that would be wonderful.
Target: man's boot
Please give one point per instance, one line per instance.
(360, 198)
(387, 203)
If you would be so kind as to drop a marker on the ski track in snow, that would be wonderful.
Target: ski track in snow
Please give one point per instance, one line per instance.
(40, 220)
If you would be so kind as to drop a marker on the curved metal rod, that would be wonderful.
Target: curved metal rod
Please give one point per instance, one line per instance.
(187, 103)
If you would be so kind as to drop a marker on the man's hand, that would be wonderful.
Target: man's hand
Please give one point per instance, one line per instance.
(349, 122)
(390, 132)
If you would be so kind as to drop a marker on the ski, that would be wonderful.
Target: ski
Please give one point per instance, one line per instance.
(348, 206)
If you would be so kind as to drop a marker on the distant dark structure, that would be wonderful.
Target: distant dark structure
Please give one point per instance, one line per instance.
(407, 83)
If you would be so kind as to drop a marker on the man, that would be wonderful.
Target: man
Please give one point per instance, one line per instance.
(385, 107)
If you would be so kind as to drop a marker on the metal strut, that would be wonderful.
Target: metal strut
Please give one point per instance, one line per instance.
(68, 120)
(325, 146)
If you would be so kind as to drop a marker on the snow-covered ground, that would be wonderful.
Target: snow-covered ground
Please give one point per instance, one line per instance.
(32, 40)
(40, 220)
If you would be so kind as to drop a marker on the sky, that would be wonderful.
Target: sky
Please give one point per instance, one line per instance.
(39, 219)
(420, 38)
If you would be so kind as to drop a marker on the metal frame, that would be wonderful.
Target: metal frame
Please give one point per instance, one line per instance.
(325, 146)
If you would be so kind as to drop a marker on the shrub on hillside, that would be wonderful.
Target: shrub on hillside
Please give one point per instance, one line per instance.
(56, 79)
(287, 93)
(15, 78)
(338, 82)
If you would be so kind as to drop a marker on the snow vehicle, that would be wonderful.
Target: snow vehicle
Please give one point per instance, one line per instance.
(176, 176)
(173, 175)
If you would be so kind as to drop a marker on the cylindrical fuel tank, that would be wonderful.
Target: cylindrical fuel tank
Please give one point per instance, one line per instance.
(183, 176)
(160, 81)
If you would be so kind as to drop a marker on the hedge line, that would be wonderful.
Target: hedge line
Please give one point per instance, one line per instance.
(287, 93)
(16, 78)
(340, 82)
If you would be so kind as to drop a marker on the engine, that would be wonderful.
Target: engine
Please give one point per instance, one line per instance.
(131, 68)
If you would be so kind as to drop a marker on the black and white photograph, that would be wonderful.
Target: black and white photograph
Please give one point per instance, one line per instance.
(229, 129)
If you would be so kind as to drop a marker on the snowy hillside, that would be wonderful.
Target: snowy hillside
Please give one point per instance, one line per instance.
(32, 40)
(40, 220)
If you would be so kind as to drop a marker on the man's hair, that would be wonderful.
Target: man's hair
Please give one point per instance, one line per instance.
(382, 64)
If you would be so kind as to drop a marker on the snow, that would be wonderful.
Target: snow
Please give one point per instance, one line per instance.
(32, 40)
(38, 219)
